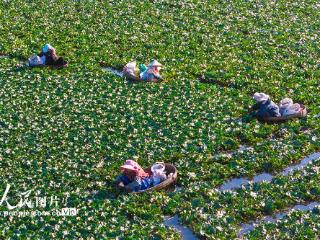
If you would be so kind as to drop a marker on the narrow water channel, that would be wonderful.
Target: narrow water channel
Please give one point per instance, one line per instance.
(114, 71)
(248, 227)
(239, 182)
(185, 232)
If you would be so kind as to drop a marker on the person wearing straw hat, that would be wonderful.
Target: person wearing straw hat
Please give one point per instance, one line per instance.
(133, 177)
(264, 107)
(152, 73)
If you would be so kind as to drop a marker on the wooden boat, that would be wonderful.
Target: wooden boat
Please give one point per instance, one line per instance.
(49, 66)
(301, 114)
(134, 78)
(59, 66)
(172, 174)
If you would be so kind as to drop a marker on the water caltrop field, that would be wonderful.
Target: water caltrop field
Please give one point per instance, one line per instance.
(64, 133)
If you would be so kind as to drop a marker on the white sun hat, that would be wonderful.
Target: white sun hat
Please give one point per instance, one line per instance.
(260, 97)
(155, 63)
(130, 68)
(286, 102)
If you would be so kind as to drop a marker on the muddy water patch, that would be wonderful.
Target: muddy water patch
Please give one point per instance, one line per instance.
(185, 232)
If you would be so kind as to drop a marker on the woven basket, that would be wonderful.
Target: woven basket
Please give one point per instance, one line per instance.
(301, 114)
(134, 78)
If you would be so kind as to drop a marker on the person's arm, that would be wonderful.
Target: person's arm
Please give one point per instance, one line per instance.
(49, 58)
(119, 182)
(274, 111)
(54, 54)
(157, 76)
(253, 110)
(118, 179)
(255, 107)
(133, 186)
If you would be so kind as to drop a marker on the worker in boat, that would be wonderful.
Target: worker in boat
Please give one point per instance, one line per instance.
(264, 107)
(133, 177)
(152, 72)
(49, 56)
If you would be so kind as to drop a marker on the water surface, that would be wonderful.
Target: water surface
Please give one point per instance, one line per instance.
(248, 227)
(236, 183)
(185, 232)
(114, 71)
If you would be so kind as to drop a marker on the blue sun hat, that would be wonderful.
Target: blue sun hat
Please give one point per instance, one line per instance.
(46, 48)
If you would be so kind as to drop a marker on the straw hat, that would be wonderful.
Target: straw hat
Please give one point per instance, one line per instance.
(155, 63)
(286, 102)
(260, 97)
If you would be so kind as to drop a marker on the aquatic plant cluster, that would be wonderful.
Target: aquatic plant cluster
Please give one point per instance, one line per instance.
(65, 132)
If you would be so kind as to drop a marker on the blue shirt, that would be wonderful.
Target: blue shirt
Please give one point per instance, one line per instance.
(267, 109)
(137, 184)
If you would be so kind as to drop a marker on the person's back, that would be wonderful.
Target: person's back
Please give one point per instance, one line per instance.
(49, 55)
(264, 106)
(152, 72)
(134, 177)
(268, 109)
(149, 76)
